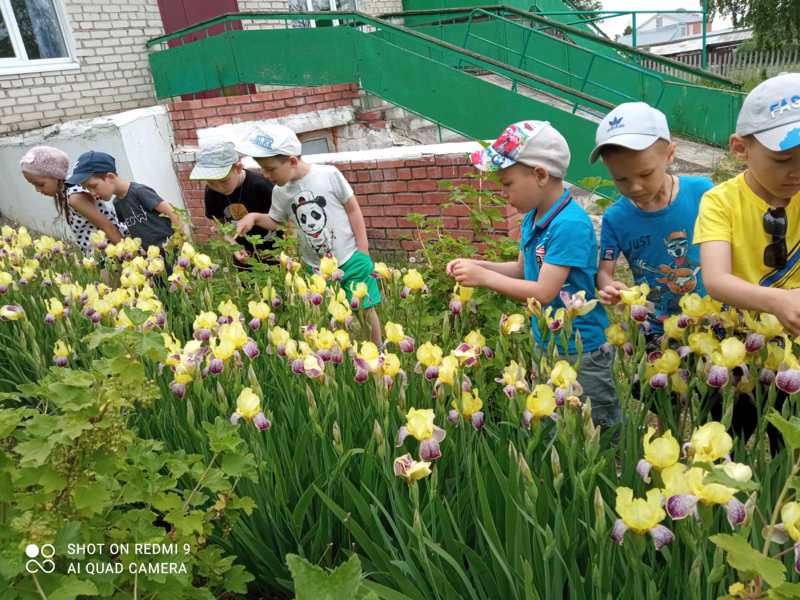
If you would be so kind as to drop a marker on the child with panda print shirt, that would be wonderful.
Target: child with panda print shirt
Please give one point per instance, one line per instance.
(323, 208)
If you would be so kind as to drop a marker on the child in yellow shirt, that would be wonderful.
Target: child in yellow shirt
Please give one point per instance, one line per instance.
(748, 227)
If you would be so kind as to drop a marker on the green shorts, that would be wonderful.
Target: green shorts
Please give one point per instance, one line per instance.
(359, 267)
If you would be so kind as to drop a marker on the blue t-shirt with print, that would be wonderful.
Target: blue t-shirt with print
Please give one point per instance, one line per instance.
(564, 236)
(658, 245)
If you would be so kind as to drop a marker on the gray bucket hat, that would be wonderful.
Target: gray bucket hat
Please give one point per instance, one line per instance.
(214, 162)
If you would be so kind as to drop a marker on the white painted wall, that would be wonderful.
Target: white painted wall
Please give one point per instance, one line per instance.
(140, 140)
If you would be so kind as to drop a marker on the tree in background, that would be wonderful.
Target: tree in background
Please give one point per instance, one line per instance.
(775, 23)
(587, 4)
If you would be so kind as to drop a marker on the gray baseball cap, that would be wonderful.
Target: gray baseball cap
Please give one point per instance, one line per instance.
(771, 112)
(632, 125)
(214, 162)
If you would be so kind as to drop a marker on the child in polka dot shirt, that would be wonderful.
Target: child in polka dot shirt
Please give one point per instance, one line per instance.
(45, 168)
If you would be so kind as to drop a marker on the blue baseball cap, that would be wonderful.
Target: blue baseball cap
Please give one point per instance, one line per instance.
(90, 163)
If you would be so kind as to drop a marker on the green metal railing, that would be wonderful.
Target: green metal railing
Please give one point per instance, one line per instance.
(594, 62)
(424, 75)
(441, 18)
(429, 76)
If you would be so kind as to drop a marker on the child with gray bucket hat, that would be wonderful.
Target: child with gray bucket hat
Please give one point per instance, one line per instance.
(233, 191)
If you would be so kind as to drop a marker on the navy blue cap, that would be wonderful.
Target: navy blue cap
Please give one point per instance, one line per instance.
(90, 163)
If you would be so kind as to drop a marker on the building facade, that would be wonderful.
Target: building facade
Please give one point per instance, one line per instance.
(62, 60)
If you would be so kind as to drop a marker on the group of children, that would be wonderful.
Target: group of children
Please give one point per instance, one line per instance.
(671, 240)
(678, 234)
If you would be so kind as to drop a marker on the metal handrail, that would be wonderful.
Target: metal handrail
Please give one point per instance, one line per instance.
(479, 60)
(594, 57)
(572, 31)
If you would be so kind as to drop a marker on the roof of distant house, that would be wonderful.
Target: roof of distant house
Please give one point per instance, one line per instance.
(695, 42)
(670, 30)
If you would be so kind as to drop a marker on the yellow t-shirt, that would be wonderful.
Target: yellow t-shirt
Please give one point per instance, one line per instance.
(732, 212)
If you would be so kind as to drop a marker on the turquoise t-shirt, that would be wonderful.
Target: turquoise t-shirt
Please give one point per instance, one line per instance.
(658, 245)
(564, 237)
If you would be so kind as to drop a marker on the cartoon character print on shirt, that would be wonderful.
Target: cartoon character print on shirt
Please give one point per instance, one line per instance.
(309, 213)
(679, 276)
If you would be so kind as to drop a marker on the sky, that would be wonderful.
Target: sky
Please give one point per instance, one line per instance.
(616, 26)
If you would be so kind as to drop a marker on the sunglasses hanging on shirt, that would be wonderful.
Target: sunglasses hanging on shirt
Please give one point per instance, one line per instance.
(775, 224)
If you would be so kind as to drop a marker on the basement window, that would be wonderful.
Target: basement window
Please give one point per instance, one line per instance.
(317, 142)
(34, 37)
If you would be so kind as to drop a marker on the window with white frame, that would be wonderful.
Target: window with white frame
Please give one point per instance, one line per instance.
(34, 37)
(320, 6)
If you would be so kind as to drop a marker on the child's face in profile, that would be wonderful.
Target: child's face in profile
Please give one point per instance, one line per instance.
(228, 184)
(47, 186)
(640, 174)
(778, 173)
(278, 169)
(100, 186)
(521, 187)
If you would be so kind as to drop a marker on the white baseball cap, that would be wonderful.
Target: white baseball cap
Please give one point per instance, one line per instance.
(633, 125)
(771, 112)
(532, 143)
(263, 141)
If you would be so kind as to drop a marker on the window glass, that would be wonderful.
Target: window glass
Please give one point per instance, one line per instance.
(6, 49)
(38, 24)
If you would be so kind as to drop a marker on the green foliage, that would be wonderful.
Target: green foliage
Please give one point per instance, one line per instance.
(313, 583)
(481, 237)
(742, 557)
(775, 23)
(73, 472)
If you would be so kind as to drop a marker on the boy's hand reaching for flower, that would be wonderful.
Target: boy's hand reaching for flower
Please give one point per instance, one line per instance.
(610, 293)
(788, 313)
(468, 273)
(245, 224)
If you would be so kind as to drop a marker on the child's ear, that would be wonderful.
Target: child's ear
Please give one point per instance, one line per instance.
(542, 175)
(738, 147)
(671, 153)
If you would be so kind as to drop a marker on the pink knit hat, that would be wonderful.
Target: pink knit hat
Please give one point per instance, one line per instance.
(45, 161)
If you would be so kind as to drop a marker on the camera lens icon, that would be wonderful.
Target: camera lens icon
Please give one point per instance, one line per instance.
(46, 552)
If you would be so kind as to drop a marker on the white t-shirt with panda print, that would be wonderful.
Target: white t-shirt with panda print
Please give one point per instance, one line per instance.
(81, 227)
(315, 204)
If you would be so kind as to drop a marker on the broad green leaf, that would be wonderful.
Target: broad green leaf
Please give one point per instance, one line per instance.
(313, 583)
(222, 436)
(743, 557)
(238, 465)
(34, 451)
(71, 589)
(785, 591)
(9, 419)
(790, 430)
(236, 579)
(245, 503)
(92, 497)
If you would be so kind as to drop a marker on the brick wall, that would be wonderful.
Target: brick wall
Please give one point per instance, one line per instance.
(188, 116)
(114, 75)
(387, 191)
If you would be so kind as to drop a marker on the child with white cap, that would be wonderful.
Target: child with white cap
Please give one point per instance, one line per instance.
(652, 222)
(233, 191)
(321, 205)
(558, 251)
(749, 226)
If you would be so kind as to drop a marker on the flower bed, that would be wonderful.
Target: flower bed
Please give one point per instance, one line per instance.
(242, 419)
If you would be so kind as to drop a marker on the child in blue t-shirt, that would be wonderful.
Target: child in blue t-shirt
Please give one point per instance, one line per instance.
(652, 222)
(558, 250)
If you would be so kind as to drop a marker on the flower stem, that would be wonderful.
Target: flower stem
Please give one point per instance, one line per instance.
(779, 504)
(38, 587)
